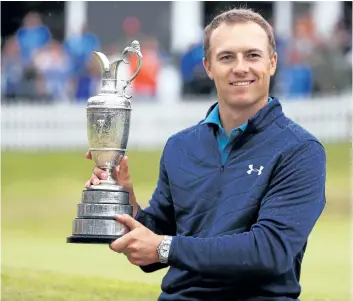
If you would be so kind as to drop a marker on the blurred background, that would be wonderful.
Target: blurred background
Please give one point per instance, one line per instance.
(47, 76)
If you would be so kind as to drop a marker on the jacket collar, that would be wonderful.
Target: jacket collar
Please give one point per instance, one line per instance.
(263, 117)
(213, 117)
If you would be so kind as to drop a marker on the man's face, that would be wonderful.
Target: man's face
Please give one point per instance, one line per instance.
(240, 63)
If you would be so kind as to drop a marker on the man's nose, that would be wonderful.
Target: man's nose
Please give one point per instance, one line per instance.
(240, 66)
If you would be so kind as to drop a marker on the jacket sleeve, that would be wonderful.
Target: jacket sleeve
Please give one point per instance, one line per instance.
(159, 215)
(288, 212)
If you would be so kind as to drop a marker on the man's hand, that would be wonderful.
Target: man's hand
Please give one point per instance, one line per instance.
(121, 175)
(139, 245)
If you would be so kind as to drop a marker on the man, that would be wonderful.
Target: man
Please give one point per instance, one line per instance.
(239, 193)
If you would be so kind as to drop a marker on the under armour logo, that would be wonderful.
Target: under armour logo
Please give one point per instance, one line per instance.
(251, 169)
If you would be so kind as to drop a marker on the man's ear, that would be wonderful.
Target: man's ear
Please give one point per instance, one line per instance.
(207, 67)
(273, 66)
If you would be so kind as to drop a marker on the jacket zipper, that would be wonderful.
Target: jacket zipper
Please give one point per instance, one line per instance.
(223, 165)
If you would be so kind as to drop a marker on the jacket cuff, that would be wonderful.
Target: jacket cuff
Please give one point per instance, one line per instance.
(172, 256)
(139, 214)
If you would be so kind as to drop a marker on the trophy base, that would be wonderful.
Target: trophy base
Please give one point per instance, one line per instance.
(95, 222)
(92, 239)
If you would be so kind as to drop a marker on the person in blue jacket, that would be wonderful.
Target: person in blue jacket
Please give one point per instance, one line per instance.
(238, 193)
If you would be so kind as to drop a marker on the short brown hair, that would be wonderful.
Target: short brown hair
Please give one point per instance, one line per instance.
(238, 15)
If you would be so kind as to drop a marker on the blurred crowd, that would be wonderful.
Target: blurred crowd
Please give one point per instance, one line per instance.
(313, 64)
(308, 64)
(36, 67)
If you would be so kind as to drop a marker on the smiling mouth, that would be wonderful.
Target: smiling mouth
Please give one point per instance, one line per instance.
(242, 83)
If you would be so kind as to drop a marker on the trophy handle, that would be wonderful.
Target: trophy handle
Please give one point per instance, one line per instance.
(134, 48)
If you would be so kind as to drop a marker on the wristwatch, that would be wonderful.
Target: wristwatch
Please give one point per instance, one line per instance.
(163, 249)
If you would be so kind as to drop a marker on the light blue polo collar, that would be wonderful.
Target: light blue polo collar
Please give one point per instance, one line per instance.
(213, 117)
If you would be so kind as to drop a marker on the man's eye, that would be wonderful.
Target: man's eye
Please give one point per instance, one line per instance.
(226, 57)
(253, 55)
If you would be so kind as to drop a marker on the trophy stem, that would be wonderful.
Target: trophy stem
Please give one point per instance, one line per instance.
(110, 172)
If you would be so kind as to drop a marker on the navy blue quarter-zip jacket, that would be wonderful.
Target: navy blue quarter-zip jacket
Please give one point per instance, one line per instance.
(240, 228)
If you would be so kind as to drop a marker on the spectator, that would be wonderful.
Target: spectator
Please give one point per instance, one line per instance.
(194, 77)
(295, 75)
(11, 69)
(53, 65)
(32, 36)
(79, 47)
(88, 82)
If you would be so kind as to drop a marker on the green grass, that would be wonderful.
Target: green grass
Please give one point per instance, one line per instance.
(40, 192)
(22, 284)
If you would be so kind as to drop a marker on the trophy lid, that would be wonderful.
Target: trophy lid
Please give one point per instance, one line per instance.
(111, 84)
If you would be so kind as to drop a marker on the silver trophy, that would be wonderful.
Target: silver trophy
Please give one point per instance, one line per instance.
(108, 126)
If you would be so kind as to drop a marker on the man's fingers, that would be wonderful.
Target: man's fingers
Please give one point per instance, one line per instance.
(96, 176)
(88, 155)
(97, 173)
(100, 173)
(123, 170)
(128, 221)
(94, 180)
(120, 244)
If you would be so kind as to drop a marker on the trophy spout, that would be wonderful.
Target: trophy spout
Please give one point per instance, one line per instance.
(103, 60)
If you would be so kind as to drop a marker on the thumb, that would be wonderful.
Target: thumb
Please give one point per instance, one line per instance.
(124, 168)
(128, 221)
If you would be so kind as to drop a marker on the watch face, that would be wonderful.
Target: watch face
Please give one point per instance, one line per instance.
(164, 250)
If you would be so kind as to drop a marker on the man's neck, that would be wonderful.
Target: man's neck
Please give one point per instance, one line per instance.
(234, 116)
